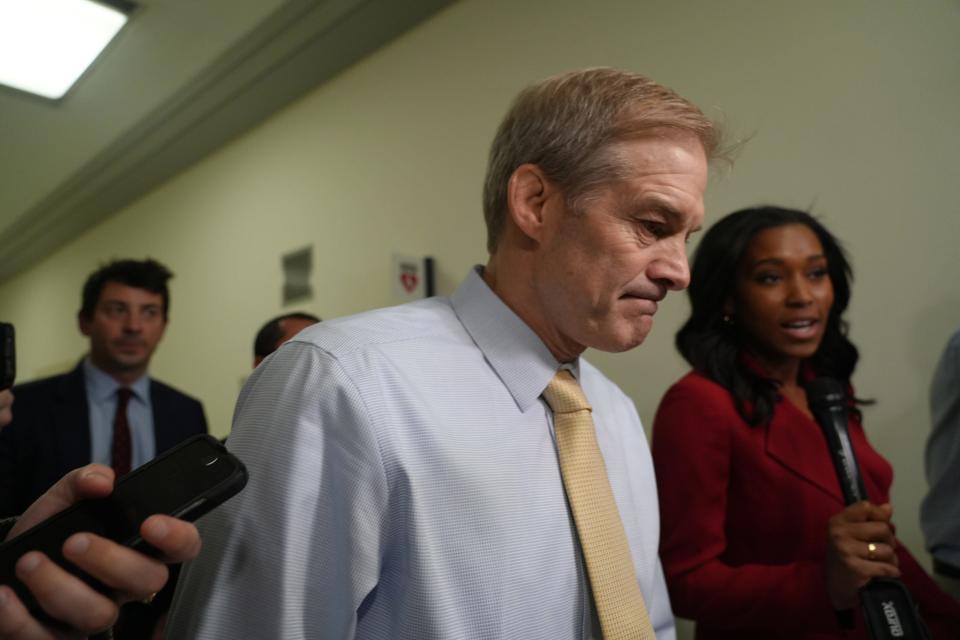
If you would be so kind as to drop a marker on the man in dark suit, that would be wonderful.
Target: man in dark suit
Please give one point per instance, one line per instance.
(108, 409)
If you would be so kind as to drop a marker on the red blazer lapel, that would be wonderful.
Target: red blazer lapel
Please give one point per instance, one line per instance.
(795, 441)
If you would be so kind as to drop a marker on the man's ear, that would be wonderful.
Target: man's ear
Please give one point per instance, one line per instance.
(527, 192)
(83, 323)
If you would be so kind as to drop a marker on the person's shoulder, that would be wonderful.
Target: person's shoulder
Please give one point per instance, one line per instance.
(694, 381)
(693, 407)
(164, 392)
(44, 388)
(697, 390)
(35, 403)
(429, 319)
(953, 344)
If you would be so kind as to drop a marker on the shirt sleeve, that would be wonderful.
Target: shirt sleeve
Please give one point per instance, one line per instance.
(940, 513)
(297, 552)
(693, 455)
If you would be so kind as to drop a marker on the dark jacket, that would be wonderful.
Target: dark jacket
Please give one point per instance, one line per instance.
(50, 433)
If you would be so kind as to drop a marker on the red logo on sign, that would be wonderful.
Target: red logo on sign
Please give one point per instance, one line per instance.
(409, 281)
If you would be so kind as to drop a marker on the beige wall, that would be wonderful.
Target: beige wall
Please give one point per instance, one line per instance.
(851, 107)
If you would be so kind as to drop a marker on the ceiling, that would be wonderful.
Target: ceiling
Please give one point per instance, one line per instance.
(182, 78)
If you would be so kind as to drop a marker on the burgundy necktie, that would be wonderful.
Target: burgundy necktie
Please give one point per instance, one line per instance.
(120, 452)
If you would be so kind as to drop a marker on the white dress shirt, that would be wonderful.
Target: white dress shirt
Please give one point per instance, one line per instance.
(404, 485)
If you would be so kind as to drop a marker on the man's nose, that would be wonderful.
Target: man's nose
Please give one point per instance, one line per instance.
(672, 269)
(133, 323)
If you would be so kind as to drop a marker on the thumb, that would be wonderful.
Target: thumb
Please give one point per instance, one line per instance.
(91, 481)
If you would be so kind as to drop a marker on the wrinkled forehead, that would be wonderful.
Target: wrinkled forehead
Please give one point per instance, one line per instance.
(669, 173)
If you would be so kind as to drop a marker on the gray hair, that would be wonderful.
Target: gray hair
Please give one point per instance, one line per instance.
(567, 126)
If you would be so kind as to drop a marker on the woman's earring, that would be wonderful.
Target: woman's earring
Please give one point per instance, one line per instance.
(727, 319)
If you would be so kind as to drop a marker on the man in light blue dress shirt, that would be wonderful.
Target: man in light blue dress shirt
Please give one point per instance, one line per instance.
(404, 481)
(940, 512)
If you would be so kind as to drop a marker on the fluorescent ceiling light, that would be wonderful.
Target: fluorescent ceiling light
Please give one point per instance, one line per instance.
(46, 45)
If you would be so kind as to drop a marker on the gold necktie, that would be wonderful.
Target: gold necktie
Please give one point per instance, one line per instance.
(616, 593)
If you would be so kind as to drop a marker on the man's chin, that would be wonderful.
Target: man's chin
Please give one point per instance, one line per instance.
(620, 347)
(620, 344)
(128, 362)
(633, 334)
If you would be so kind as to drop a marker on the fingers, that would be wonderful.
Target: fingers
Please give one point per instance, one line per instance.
(864, 570)
(64, 596)
(177, 540)
(867, 512)
(6, 404)
(881, 552)
(91, 481)
(861, 546)
(858, 534)
(863, 524)
(15, 622)
(131, 574)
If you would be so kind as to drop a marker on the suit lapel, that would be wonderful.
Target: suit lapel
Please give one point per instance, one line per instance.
(162, 419)
(72, 421)
(796, 442)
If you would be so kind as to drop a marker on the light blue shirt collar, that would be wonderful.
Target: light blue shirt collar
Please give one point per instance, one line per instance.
(517, 354)
(101, 391)
(101, 385)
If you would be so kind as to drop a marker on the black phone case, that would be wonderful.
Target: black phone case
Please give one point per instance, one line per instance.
(8, 356)
(101, 516)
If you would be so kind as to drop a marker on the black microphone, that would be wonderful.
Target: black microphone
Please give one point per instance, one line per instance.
(888, 608)
(828, 402)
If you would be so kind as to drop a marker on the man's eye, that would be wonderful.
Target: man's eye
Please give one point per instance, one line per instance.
(654, 228)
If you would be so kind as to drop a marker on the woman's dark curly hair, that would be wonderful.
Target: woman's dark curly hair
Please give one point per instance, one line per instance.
(714, 346)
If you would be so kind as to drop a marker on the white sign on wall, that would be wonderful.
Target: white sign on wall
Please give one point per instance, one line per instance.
(297, 267)
(412, 277)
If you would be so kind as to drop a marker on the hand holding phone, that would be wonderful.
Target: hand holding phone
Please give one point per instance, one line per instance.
(69, 600)
(185, 482)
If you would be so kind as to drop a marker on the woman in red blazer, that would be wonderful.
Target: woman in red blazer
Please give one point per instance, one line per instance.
(756, 540)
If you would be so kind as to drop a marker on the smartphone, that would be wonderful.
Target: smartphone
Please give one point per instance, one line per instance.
(8, 356)
(186, 482)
